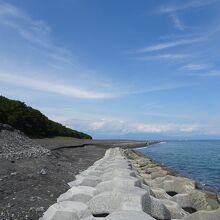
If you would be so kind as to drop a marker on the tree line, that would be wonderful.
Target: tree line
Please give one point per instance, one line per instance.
(32, 122)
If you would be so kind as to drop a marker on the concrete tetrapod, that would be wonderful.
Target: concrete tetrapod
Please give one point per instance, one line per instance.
(129, 215)
(108, 202)
(80, 194)
(85, 181)
(175, 209)
(68, 210)
(204, 215)
(118, 184)
(157, 209)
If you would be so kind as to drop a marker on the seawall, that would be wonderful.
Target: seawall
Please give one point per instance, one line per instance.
(124, 185)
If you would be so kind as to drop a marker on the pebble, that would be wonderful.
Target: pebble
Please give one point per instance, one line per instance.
(43, 172)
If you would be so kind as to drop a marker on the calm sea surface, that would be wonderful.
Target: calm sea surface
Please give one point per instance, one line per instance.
(199, 160)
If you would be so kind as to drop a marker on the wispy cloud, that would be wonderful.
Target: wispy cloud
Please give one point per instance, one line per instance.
(195, 66)
(165, 56)
(36, 32)
(177, 22)
(172, 10)
(53, 87)
(116, 126)
(167, 45)
(184, 5)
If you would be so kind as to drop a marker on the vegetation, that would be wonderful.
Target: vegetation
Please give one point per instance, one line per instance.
(32, 122)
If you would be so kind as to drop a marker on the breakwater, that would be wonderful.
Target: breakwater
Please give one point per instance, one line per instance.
(198, 160)
(126, 186)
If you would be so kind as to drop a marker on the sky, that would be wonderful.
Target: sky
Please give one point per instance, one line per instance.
(116, 69)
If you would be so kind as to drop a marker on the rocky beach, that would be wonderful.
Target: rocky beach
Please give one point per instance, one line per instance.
(34, 172)
(124, 185)
(53, 179)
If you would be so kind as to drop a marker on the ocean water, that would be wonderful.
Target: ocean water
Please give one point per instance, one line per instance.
(199, 160)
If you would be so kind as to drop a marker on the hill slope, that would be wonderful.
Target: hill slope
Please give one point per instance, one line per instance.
(32, 122)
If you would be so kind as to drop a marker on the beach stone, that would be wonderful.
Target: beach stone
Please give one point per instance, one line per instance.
(175, 209)
(129, 215)
(67, 210)
(80, 194)
(85, 181)
(204, 215)
(157, 209)
(108, 202)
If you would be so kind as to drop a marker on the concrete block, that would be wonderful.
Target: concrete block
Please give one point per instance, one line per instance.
(85, 181)
(129, 215)
(68, 210)
(157, 209)
(79, 193)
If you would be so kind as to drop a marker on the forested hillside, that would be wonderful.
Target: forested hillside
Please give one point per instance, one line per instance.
(32, 122)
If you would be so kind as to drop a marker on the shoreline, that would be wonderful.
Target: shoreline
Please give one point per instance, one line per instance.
(209, 191)
(174, 172)
(119, 186)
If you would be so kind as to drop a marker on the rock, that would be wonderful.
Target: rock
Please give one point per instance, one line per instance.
(43, 172)
(67, 210)
(129, 215)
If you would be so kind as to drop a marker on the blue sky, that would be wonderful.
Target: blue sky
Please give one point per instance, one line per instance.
(131, 69)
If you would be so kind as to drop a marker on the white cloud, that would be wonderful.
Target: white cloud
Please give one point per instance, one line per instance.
(178, 24)
(184, 5)
(165, 56)
(195, 66)
(167, 45)
(54, 87)
(37, 32)
(119, 126)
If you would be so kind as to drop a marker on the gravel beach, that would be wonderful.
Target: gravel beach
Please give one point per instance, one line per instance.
(31, 182)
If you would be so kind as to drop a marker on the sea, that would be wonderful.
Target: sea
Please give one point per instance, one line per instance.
(199, 160)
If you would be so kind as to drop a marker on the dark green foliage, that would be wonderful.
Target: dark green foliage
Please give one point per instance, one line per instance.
(32, 122)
